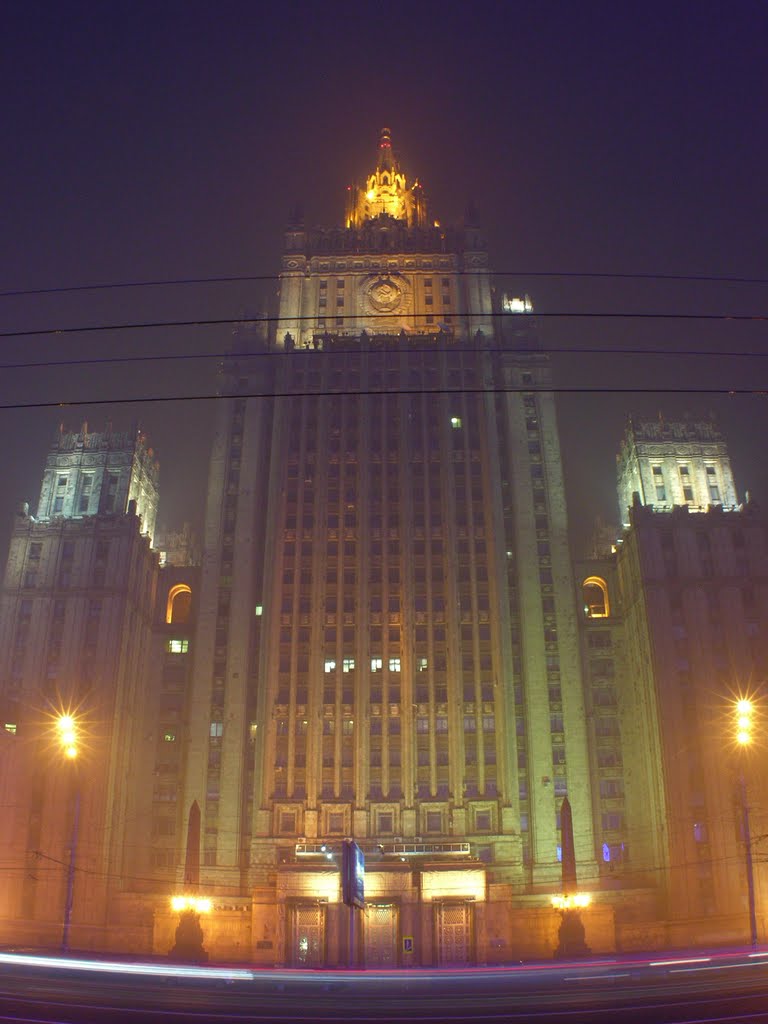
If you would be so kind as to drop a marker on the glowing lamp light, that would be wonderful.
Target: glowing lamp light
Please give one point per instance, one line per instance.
(200, 904)
(576, 901)
(370, 194)
(67, 730)
(744, 722)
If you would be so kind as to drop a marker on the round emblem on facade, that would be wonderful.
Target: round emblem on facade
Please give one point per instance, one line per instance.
(384, 295)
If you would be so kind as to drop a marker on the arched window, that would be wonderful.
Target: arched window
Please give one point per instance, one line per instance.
(596, 603)
(179, 603)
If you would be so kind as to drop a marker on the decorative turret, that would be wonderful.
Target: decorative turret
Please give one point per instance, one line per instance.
(386, 193)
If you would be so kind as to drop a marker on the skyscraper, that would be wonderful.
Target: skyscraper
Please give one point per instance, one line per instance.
(387, 643)
(75, 617)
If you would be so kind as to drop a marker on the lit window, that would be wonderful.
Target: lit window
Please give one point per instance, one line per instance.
(348, 665)
(595, 592)
(376, 664)
(259, 610)
(217, 729)
(10, 727)
(699, 831)
(421, 664)
(179, 603)
(170, 737)
(330, 666)
(456, 422)
(394, 664)
(177, 646)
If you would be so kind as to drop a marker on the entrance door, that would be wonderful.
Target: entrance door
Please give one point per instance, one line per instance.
(454, 933)
(307, 935)
(380, 935)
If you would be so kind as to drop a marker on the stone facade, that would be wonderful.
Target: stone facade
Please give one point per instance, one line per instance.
(668, 464)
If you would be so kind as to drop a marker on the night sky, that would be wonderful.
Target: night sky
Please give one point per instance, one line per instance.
(148, 142)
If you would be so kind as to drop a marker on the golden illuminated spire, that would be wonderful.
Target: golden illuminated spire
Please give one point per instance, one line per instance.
(386, 193)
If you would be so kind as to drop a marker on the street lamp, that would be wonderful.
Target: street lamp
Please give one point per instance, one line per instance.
(744, 720)
(67, 732)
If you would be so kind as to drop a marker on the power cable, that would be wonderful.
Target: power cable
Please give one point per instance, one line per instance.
(527, 389)
(249, 278)
(519, 317)
(280, 353)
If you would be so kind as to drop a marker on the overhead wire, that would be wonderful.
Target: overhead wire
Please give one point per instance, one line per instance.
(397, 317)
(275, 352)
(251, 278)
(725, 390)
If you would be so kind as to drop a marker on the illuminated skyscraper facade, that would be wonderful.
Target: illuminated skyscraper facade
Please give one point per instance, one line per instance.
(387, 642)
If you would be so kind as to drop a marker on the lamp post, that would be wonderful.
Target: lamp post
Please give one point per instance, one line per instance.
(66, 728)
(744, 712)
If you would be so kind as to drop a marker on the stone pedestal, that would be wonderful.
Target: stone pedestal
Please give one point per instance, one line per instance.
(189, 939)
(571, 937)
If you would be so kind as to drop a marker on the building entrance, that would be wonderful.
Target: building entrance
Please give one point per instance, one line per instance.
(307, 947)
(381, 921)
(454, 933)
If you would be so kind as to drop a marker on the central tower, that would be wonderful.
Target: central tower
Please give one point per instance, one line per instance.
(387, 644)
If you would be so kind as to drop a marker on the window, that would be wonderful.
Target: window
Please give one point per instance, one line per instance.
(170, 737)
(699, 830)
(394, 664)
(385, 822)
(595, 594)
(434, 821)
(109, 503)
(611, 821)
(685, 480)
(456, 422)
(611, 788)
(599, 639)
(178, 604)
(288, 821)
(483, 821)
(330, 665)
(85, 492)
(177, 646)
(714, 490)
(348, 665)
(217, 729)
(376, 664)
(336, 822)
(615, 853)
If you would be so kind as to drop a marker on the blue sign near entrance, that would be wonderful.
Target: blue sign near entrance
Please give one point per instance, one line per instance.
(352, 874)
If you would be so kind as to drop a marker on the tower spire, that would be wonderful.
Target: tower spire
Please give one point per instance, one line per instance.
(386, 193)
(386, 160)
